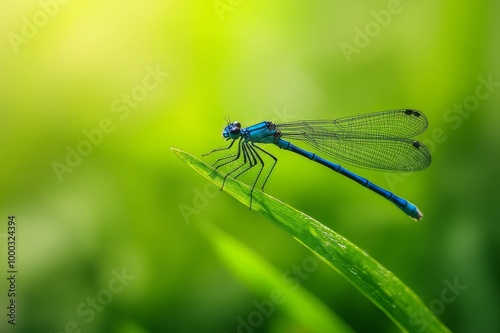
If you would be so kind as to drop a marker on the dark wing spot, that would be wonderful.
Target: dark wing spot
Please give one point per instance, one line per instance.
(412, 112)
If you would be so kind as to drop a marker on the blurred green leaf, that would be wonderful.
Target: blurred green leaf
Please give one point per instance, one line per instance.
(377, 283)
(262, 278)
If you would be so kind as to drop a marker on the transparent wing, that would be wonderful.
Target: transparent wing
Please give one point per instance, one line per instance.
(378, 141)
(403, 123)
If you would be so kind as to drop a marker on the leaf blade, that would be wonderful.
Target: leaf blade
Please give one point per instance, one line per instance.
(377, 283)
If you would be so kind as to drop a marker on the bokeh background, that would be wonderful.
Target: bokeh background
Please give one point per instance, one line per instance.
(139, 77)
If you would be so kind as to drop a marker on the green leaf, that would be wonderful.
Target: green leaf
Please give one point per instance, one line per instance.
(377, 283)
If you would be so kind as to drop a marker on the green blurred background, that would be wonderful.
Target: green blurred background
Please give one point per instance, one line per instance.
(78, 69)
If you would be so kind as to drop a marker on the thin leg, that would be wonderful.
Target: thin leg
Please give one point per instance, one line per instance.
(272, 168)
(246, 159)
(261, 162)
(251, 159)
(219, 149)
(234, 157)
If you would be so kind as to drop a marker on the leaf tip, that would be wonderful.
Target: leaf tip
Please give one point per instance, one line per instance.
(176, 151)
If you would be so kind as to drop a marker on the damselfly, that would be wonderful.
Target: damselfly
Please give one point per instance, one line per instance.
(379, 141)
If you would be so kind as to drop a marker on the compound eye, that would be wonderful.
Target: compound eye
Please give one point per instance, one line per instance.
(234, 130)
(237, 124)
